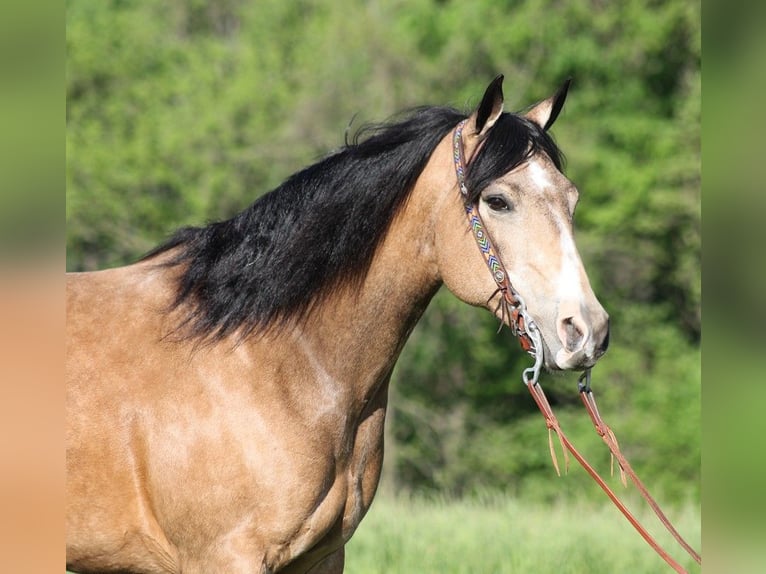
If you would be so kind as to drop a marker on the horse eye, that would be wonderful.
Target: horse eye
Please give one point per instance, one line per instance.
(497, 203)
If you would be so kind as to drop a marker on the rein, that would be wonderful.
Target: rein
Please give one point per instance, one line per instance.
(512, 306)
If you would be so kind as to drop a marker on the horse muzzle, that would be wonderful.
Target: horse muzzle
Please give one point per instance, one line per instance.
(582, 341)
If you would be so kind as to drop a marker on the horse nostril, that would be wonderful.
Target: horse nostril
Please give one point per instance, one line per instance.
(605, 341)
(572, 334)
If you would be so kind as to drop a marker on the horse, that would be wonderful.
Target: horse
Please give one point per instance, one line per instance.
(226, 394)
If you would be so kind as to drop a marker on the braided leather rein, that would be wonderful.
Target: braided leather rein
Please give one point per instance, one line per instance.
(513, 308)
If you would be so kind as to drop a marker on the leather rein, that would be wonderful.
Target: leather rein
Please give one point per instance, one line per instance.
(514, 309)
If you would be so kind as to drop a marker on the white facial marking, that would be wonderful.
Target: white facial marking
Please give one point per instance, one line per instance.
(569, 288)
(569, 291)
(538, 174)
(568, 281)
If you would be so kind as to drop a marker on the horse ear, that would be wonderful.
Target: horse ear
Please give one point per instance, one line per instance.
(491, 106)
(545, 113)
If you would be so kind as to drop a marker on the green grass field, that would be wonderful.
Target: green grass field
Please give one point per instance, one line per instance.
(499, 534)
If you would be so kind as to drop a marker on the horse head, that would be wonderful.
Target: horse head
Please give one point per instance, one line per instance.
(513, 176)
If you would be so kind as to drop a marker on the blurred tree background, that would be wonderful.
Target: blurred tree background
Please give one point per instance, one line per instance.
(180, 112)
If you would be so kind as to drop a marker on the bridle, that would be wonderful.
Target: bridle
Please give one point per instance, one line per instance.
(514, 309)
(511, 304)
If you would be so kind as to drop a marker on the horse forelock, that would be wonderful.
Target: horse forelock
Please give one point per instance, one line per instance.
(274, 262)
(512, 141)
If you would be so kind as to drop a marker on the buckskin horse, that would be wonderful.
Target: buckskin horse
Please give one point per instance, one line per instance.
(226, 394)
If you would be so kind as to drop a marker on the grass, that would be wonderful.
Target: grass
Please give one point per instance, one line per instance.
(498, 534)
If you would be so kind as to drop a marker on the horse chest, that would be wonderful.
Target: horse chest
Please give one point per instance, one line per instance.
(313, 471)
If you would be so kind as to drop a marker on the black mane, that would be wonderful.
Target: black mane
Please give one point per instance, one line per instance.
(281, 256)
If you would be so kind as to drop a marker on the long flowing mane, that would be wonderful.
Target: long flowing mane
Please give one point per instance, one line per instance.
(279, 258)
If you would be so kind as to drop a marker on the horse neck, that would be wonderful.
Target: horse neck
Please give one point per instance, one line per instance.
(360, 331)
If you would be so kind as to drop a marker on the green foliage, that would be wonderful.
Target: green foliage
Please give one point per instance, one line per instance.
(185, 111)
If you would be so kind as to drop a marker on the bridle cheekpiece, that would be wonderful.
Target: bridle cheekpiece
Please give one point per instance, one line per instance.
(511, 304)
